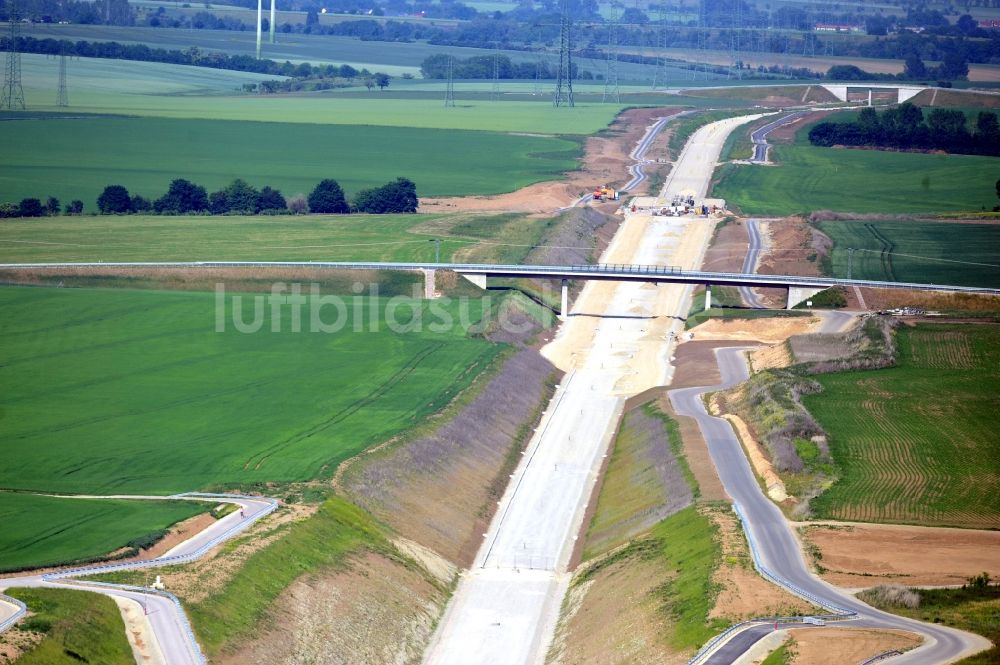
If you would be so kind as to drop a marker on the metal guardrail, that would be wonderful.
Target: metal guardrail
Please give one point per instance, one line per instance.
(837, 613)
(22, 609)
(882, 656)
(68, 576)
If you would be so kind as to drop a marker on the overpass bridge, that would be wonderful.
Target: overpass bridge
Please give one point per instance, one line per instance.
(799, 288)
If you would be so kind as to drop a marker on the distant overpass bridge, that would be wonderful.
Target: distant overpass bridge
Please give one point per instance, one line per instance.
(799, 288)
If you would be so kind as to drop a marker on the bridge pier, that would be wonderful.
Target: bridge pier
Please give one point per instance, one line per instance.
(708, 297)
(564, 301)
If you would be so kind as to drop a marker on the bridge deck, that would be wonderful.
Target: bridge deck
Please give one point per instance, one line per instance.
(609, 272)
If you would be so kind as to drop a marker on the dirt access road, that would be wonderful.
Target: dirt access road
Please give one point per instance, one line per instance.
(615, 344)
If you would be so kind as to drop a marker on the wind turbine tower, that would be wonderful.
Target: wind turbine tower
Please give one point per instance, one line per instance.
(271, 25)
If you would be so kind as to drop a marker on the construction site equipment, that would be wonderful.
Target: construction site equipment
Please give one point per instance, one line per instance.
(606, 194)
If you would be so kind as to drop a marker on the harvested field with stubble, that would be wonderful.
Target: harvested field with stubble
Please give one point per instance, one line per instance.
(916, 443)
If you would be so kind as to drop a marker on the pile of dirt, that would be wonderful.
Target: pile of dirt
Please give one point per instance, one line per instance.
(605, 162)
(864, 555)
(440, 488)
(378, 610)
(763, 330)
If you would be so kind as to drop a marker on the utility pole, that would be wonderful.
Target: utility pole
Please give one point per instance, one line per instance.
(449, 92)
(62, 97)
(564, 75)
(13, 95)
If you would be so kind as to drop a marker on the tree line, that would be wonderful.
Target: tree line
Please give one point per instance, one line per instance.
(904, 127)
(190, 56)
(184, 197)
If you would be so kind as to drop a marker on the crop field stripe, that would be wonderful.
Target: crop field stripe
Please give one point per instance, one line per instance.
(916, 443)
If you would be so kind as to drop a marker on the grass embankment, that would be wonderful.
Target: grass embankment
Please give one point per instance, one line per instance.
(810, 178)
(648, 475)
(136, 391)
(916, 443)
(323, 541)
(974, 608)
(45, 530)
(916, 251)
(115, 150)
(78, 626)
(780, 656)
(647, 478)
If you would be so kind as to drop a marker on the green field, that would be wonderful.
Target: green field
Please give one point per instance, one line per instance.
(807, 179)
(917, 443)
(134, 391)
(76, 529)
(78, 626)
(917, 251)
(490, 238)
(291, 157)
(178, 91)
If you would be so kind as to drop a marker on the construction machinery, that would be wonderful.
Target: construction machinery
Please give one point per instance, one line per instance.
(605, 193)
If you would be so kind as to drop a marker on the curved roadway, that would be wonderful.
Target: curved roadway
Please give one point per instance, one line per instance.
(774, 543)
(759, 137)
(750, 264)
(174, 639)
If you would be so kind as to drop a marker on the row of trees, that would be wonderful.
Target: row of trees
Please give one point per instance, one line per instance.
(32, 207)
(905, 127)
(190, 56)
(241, 198)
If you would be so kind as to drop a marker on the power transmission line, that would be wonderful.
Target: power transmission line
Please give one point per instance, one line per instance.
(62, 97)
(564, 76)
(495, 93)
(612, 90)
(449, 94)
(660, 72)
(13, 93)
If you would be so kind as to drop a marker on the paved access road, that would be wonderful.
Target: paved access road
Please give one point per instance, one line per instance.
(776, 545)
(166, 625)
(759, 137)
(750, 263)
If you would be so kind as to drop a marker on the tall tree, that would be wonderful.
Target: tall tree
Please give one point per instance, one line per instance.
(328, 197)
(114, 200)
(183, 196)
(271, 199)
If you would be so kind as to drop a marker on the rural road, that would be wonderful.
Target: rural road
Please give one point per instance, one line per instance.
(167, 632)
(776, 546)
(759, 136)
(750, 263)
